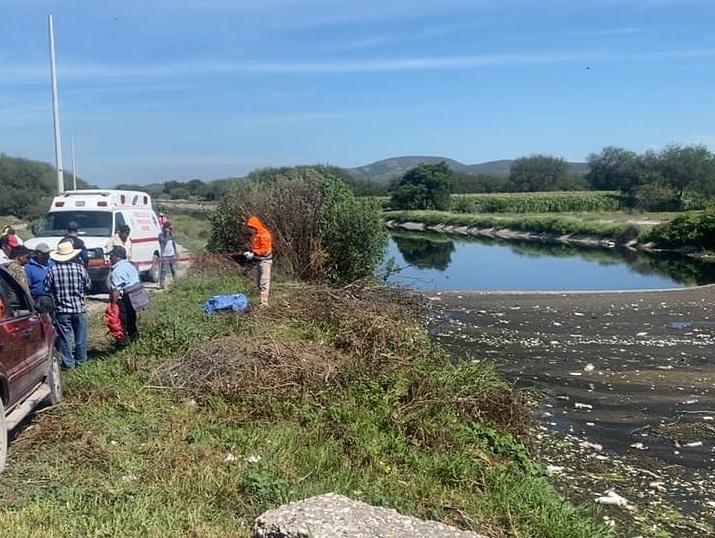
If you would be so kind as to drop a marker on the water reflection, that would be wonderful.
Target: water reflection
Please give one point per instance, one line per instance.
(425, 253)
(449, 262)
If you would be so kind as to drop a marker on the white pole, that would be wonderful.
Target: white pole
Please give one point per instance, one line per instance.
(74, 167)
(56, 112)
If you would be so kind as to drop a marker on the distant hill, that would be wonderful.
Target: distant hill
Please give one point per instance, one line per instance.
(383, 171)
(28, 186)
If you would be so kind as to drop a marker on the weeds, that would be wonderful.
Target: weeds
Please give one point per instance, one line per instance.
(290, 402)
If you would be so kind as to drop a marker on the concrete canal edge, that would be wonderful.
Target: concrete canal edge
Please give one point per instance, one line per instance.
(507, 234)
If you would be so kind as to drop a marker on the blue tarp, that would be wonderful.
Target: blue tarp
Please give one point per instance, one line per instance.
(237, 302)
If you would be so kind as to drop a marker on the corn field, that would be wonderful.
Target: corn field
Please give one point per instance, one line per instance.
(538, 202)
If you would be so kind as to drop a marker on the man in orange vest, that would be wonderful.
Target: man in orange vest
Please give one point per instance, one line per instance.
(262, 254)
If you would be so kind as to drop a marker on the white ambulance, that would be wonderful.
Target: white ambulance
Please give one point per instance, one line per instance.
(100, 214)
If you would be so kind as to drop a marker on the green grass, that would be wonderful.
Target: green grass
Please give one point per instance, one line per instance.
(191, 231)
(123, 457)
(537, 202)
(537, 223)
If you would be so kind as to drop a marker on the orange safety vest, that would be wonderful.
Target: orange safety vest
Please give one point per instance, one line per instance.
(262, 243)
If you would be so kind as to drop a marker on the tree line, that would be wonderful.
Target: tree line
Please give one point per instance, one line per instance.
(28, 187)
(654, 181)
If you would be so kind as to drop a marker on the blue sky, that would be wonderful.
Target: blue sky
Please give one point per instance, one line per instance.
(175, 89)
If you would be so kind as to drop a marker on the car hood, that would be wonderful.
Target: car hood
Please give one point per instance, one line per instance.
(90, 242)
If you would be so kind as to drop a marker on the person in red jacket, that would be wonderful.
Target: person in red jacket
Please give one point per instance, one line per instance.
(262, 254)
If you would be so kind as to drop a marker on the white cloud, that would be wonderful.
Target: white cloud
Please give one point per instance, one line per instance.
(23, 74)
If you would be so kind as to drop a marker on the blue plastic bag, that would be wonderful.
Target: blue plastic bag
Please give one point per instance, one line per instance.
(237, 302)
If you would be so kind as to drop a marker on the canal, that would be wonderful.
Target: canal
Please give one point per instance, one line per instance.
(430, 261)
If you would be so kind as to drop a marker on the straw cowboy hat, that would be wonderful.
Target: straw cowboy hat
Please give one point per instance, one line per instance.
(65, 252)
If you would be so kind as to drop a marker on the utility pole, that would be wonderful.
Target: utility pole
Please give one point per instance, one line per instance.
(56, 111)
(74, 166)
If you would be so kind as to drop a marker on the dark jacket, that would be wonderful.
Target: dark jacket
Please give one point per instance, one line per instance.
(78, 244)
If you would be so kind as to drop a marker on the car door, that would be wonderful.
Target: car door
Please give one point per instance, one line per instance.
(12, 363)
(24, 335)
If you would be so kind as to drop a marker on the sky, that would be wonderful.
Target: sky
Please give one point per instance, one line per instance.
(153, 90)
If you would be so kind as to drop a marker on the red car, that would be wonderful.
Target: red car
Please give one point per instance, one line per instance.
(29, 364)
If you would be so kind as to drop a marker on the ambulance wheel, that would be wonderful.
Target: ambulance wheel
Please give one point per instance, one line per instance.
(152, 275)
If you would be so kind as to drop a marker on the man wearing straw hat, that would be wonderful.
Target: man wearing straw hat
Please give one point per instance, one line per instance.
(68, 282)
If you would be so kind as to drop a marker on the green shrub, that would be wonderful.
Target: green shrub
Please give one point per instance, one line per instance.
(537, 202)
(689, 229)
(693, 201)
(655, 197)
(320, 229)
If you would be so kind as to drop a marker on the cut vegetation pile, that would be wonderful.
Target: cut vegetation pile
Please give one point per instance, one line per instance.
(205, 423)
(246, 371)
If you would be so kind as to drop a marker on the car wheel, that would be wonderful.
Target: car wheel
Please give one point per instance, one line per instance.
(152, 275)
(54, 379)
(3, 437)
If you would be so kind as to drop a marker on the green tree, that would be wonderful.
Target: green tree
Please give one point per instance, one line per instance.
(686, 168)
(321, 230)
(538, 173)
(28, 186)
(614, 169)
(471, 183)
(427, 186)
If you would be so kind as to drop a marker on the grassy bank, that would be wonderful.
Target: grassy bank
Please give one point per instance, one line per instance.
(206, 422)
(538, 202)
(611, 227)
(191, 231)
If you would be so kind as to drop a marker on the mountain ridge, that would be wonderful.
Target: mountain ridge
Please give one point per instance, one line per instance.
(385, 169)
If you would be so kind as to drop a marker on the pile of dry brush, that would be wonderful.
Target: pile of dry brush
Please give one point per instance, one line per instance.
(369, 334)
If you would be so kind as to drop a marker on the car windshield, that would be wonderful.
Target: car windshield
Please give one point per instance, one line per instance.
(94, 223)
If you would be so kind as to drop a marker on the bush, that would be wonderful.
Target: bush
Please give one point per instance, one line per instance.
(655, 197)
(690, 229)
(320, 229)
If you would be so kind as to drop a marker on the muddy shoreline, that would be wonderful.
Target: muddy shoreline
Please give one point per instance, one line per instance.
(627, 378)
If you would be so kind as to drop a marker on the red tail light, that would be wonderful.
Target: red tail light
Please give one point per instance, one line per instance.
(102, 204)
(59, 204)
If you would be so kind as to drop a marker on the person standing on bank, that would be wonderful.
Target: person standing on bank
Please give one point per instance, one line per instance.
(37, 270)
(261, 254)
(12, 237)
(121, 239)
(19, 258)
(73, 236)
(123, 276)
(67, 281)
(167, 245)
(5, 249)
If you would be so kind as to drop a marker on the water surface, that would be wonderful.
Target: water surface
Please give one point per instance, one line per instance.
(439, 262)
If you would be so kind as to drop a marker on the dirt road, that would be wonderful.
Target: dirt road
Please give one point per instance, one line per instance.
(97, 302)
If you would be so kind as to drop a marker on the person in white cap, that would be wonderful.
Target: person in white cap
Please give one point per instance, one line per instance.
(68, 282)
(37, 270)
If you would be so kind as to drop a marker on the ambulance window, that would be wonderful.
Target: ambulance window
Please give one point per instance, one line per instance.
(118, 221)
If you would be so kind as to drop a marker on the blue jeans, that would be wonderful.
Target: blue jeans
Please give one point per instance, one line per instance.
(72, 338)
(169, 262)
